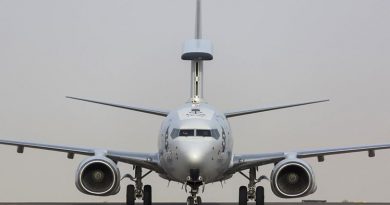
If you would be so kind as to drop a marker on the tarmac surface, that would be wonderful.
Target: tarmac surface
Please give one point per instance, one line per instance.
(215, 203)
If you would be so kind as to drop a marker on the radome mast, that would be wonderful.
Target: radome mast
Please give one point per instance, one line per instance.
(197, 50)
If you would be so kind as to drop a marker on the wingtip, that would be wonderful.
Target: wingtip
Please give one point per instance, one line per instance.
(319, 101)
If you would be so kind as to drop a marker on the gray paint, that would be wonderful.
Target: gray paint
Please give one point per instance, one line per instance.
(355, 113)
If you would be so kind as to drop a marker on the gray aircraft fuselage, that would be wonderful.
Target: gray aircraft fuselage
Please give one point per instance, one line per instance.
(211, 155)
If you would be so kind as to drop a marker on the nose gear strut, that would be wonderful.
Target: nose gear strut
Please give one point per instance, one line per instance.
(194, 184)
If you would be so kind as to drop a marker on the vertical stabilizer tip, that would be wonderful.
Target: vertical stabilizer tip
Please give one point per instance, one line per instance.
(198, 20)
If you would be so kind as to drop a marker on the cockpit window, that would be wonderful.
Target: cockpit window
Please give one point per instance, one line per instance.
(191, 133)
(203, 133)
(215, 133)
(175, 133)
(208, 133)
(186, 133)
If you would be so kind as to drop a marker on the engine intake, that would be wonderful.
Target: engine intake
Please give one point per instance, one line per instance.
(98, 176)
(292, 178)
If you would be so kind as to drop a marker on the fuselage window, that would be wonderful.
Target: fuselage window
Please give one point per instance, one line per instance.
(187, 133)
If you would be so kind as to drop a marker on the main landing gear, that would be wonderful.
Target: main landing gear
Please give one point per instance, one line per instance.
(251, 192)
(244, 196)
(138, 191)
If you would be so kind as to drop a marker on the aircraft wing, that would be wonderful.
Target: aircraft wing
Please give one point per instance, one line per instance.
(145, 160)
(264, 109)
(242, 162)
(152, 111)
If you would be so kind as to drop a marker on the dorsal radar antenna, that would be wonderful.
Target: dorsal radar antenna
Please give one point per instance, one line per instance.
(197, 50)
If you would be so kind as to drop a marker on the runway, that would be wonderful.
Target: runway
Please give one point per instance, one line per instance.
(222, 203)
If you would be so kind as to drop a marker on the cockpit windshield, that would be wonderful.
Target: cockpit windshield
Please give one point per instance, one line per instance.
(192, 132)
(203, 133)
(186, 133)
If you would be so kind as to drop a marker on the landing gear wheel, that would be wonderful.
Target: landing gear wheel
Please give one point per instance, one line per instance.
(260, 195)
(147, 195)
(190, 201)
(130, 195)
(198, 200)
(243, 196)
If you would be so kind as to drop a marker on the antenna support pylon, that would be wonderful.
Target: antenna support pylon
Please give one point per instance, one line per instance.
(197, 50)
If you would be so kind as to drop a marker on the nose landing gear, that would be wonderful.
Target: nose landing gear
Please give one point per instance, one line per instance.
(194, 182)
(251, 192)
(193, 199)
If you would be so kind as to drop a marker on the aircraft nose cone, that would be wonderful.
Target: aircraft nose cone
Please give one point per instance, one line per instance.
(195, 154)
(194, 157)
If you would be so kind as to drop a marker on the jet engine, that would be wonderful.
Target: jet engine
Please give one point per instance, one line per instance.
(292, 178)
(99, 176)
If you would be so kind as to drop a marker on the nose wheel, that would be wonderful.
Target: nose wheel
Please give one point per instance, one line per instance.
(194, 201)
(190, 201)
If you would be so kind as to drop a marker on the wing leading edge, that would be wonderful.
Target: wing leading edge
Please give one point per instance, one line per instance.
(158, 112)
(242, 162)
(146, 160)
(256, 110)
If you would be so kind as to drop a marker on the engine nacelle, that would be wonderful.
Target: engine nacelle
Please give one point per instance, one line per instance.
(98, 176)
(292, 178)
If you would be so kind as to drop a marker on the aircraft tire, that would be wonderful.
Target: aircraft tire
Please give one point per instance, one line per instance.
(243, 196)
(190, 201)
(147, 195)
(198, 200)
(259, 195)
(130, 195)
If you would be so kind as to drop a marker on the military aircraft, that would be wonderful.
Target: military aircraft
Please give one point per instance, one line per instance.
(195, 148)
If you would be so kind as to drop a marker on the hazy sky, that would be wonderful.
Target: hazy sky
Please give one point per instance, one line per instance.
(266, 53)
